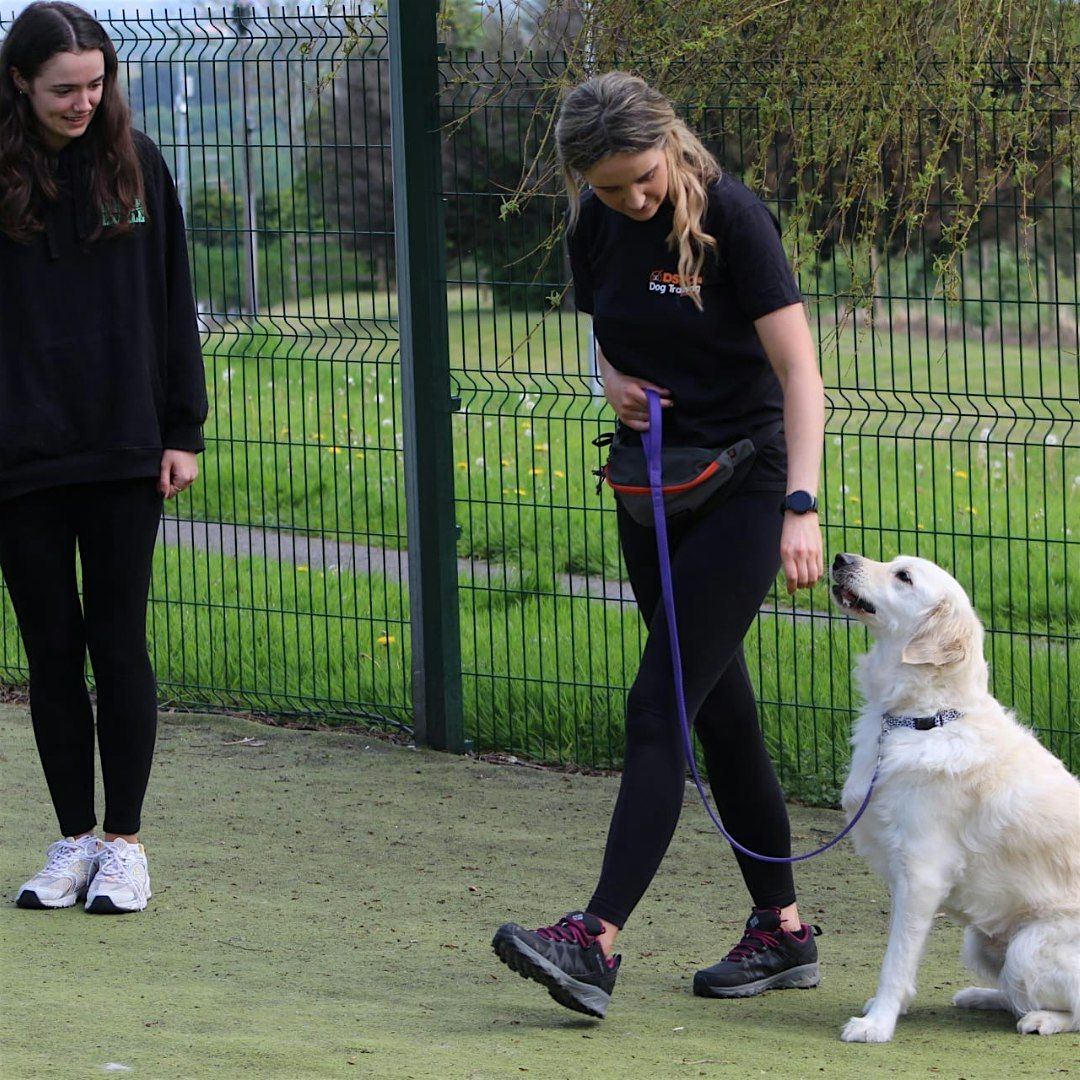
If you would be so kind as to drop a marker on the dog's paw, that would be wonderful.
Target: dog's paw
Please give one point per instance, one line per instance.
(978, 997)
(867, 1029)
(1043, 1022)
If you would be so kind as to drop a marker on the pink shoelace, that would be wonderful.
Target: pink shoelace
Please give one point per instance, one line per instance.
(567, 930)
(753, 941)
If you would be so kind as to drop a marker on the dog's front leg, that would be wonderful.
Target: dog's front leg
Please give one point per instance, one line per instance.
(915, 900)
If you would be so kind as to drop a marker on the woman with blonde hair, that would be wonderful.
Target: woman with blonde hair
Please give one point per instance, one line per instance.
(691, 294)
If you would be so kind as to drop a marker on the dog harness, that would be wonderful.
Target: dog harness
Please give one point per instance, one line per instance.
(889, 722)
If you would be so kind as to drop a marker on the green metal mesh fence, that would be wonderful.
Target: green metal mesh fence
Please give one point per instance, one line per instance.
(952, 434)
(953, 431)
(278, 583)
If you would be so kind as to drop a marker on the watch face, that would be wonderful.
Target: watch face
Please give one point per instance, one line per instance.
(800, 501)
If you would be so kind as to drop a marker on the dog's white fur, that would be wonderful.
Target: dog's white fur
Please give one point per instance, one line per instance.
(975, 818)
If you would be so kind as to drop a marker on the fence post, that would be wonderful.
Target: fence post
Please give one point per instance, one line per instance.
(425, 374)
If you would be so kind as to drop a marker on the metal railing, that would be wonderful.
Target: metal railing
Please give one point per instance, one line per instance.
(283, 585)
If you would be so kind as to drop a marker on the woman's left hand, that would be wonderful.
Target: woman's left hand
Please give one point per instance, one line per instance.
(801, 550)
(178, 471)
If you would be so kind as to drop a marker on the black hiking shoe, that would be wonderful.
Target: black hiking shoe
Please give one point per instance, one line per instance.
(566, 958)
(767, 958)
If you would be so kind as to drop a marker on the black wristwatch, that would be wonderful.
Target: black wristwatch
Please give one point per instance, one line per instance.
(799, 502)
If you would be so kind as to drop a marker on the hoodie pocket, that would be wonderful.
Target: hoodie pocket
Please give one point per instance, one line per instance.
(97, 393)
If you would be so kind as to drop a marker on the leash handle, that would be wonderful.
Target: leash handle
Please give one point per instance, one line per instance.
(651, 441)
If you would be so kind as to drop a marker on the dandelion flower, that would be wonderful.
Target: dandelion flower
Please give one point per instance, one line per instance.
(537, 472)
(386, 640)
(960, 473)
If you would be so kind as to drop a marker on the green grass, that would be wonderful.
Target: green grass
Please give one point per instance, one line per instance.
(961, 453)
(305, 435)
(544, 675)
(323, 904)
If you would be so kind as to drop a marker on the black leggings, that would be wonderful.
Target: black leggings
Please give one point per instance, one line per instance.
(724, 562)
(114, 524)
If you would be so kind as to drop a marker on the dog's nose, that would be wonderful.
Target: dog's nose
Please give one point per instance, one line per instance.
(843, 559)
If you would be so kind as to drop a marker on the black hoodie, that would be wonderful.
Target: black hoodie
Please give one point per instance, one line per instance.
(100, 363)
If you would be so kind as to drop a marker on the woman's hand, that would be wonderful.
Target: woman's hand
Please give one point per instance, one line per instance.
(626, 395)
(801, 550)
(178, 471)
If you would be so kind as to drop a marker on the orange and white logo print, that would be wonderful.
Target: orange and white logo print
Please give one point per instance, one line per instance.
(667, 282)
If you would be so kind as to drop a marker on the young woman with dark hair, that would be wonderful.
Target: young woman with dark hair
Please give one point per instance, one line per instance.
(102, 401)
(691, 294)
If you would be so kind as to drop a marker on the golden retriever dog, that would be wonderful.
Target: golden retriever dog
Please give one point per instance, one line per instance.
(970, 815)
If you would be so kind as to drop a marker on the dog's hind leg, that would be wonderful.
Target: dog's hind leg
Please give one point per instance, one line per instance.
(983, 954)
(1045, 1022)
(915, 899)
(986, 957)
(979, 997)
(1041, 977)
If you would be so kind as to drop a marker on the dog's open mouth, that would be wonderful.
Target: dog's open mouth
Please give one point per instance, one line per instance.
(851, 600)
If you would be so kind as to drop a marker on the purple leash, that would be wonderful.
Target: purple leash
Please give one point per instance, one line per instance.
(651, 440)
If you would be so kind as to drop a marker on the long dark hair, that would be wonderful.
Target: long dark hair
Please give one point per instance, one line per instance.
(27, 176)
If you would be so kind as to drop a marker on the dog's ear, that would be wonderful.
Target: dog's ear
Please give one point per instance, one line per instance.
(945, 637)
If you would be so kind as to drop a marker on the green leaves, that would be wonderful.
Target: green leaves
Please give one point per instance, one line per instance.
(876, 122)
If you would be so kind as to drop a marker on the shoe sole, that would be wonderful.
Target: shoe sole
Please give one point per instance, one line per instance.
(799, 978)
(565, 989)
(102, 905)
(30, 901)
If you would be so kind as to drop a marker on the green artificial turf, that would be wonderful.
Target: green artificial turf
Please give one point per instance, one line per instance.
(323, 906)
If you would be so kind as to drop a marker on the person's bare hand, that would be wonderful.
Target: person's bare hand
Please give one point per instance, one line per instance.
(626, 395)
(801, 550)
(178, 471)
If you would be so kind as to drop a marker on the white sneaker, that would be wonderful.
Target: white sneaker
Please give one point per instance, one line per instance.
(122, 881)
(69, 868)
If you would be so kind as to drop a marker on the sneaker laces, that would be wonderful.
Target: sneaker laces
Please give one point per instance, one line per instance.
(567, 930)
(753, 941)
(111, 865)
(60, 855)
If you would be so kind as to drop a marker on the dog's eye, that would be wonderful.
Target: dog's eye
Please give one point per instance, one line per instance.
(904, 576)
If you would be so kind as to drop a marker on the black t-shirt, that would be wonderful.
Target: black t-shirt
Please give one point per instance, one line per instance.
(722, 385)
